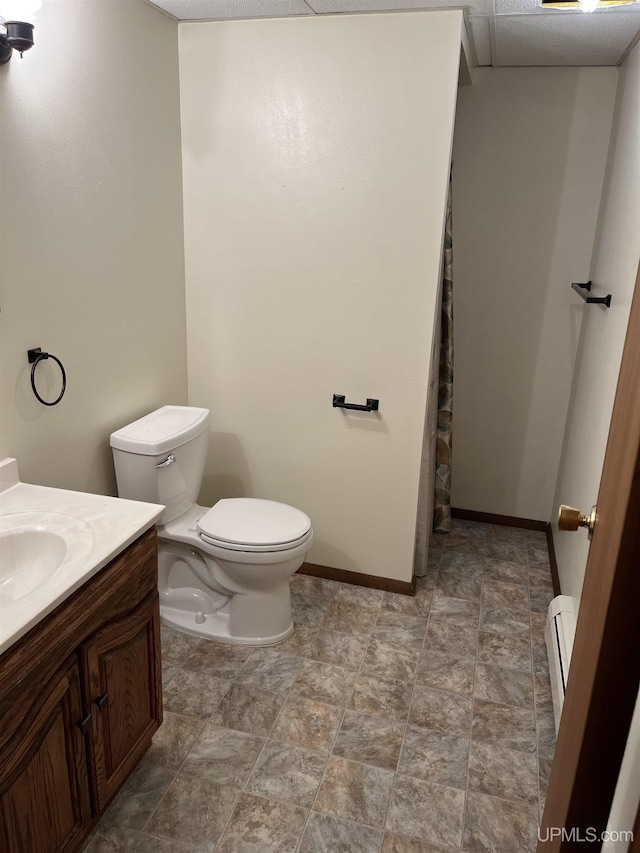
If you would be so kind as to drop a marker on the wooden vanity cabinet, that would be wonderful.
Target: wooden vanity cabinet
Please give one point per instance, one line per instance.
(80, 699)
(118, 665)
(44, 788)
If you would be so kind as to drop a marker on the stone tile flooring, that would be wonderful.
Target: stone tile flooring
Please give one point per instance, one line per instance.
(385, 724)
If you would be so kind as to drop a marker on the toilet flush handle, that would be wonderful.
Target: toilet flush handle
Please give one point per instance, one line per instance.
(168, 461)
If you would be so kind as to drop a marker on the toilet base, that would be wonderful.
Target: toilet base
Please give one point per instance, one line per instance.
(192, 612)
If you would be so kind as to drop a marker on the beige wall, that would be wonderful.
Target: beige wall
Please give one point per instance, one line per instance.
(613, 270)
(91, 225)
(529, 158)
(316, 157)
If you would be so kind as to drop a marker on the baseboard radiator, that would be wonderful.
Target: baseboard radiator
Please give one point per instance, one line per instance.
(559, 635)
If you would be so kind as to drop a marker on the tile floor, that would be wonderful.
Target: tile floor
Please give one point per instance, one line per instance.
(385, 724)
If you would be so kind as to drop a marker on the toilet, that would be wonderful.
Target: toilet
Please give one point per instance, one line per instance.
(223, 572)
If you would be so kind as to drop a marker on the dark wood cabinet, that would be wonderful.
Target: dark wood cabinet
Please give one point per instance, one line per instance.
(80, 699)
(119, 666)
(44, 787)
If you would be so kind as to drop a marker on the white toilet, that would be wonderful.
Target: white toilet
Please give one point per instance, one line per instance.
(223, 573)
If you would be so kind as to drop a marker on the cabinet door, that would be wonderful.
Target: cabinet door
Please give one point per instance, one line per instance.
(123, 692)
(44, 791)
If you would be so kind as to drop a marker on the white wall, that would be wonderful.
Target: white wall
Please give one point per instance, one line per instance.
(613, 270)
(529, 159)
(91, 225)
(316, 157)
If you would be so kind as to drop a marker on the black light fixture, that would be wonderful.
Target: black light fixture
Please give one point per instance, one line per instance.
(16, 26)
(19, 37)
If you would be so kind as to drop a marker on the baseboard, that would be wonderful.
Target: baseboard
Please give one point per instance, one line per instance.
(555, 577)
(504, 520)
(358, 579)
(409, 588)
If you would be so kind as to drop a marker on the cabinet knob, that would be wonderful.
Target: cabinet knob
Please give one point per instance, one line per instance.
(102, 701)
(84, 724)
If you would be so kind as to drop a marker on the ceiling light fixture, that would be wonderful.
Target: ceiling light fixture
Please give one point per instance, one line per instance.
(16, 34)
(584, 5)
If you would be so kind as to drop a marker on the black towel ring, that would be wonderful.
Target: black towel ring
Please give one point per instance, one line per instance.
(35, 356)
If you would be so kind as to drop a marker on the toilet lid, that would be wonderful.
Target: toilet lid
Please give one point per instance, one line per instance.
(253, 522)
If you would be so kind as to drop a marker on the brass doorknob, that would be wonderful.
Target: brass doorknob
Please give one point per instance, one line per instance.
(570, 518)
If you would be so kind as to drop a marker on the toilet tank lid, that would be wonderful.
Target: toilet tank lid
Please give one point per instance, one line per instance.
(161, 431)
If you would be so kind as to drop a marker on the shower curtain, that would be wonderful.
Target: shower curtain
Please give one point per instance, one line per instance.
(434, 511)
(442, 505)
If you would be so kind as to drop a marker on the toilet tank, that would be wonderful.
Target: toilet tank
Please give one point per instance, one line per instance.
(160, 458)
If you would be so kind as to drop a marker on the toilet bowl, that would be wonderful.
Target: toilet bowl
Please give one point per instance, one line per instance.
(223, 572)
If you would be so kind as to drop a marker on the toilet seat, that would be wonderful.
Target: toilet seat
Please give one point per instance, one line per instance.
(258, 549)
(254, 525)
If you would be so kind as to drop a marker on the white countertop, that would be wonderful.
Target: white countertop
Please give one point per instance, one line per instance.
(106, 526)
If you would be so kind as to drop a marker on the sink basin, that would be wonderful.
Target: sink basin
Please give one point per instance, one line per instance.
(34, 546)
(27, 559)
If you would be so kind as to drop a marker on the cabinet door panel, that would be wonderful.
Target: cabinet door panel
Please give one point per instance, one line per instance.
(123, 694)
(44, 794)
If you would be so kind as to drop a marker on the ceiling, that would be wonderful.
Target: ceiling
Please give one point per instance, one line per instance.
(502, 32)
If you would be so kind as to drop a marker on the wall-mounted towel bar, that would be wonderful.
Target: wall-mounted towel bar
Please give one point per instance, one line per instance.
(339, 403)
(584, 288)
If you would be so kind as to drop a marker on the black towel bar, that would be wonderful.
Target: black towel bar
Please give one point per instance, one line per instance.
(370, 405)
(592, 300)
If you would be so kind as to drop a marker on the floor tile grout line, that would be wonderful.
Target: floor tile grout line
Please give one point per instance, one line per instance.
(513, 802)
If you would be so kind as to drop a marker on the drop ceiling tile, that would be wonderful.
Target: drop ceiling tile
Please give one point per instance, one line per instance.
(564, 39)
(329, 6)
(481, 36)
(214, 10)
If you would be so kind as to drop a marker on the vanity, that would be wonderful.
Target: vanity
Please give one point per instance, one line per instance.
(80, 679)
